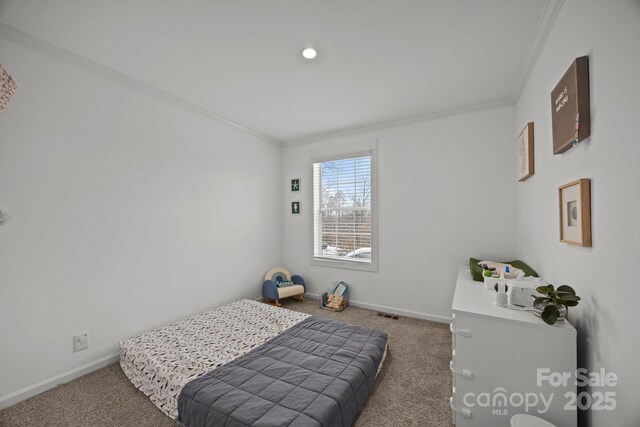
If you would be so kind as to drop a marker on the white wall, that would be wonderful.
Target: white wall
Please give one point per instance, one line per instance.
(127, 213)
(604, 275)
(434, 183)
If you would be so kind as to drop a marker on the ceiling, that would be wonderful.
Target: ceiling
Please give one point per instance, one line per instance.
(379, 62)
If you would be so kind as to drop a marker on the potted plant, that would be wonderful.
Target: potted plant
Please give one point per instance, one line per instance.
(552, 307)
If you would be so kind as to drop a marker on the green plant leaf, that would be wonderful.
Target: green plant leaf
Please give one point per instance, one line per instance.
(566, 288)
(550, 314)
(545, 290)
(540, 301)
(569, 300)
(563, 294)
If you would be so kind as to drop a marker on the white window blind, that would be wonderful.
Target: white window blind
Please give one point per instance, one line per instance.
(342, 201)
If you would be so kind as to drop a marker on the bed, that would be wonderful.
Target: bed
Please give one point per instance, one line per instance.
(239, 351)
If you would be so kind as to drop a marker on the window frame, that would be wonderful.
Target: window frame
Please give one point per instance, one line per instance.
(349, 264)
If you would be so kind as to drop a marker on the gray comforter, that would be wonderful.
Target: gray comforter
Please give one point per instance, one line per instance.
(317, 373)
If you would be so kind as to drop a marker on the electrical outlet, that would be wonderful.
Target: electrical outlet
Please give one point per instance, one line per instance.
(81, 341)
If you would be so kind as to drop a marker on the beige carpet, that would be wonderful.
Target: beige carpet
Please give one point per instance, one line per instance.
(412, 389)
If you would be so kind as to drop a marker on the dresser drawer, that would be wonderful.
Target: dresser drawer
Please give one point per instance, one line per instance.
(494, 357)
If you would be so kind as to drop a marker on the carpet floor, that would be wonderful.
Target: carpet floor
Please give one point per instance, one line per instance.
(412, 389)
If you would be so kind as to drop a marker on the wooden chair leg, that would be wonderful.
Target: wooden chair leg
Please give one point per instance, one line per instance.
(277, 303)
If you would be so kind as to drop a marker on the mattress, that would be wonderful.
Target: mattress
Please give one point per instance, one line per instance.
(161, 362)
(317, 373)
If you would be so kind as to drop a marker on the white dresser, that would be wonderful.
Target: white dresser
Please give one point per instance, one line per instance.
(495, 360)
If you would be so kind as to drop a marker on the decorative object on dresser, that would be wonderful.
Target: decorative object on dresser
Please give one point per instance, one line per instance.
(570, 109)
(8, 88)
(496, 356)
(475, 268)
(520, 292)
(553, 306)
(526, 163)
(575, 212)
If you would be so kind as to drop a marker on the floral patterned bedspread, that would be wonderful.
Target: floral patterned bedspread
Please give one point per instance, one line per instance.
(162, 361)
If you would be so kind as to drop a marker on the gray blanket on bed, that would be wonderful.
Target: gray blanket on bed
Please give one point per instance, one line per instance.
(317, 373)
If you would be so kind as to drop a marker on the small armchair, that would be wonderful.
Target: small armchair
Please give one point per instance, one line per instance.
(272, 293)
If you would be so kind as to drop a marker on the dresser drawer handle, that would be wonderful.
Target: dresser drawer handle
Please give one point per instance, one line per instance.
(463, 332)
(463, 411)
(466, 373)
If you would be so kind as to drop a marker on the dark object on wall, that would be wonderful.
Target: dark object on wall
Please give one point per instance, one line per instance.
(295, 208)
(570, 111)
(295, 184)
(8, 88)
(525, 153)
(575, 212)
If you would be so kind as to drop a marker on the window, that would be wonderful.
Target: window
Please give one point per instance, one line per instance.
(343, 217)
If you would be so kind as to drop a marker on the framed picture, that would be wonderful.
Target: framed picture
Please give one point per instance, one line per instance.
(570, 107)
(295, 208)
(295, 184)
(575, 212)
(525, 153)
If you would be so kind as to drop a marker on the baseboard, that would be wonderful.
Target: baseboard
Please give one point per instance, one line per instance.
(393, 310)
(35, 389)
(42, 386)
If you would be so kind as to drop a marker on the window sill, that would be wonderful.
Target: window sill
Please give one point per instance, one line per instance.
(346, 265)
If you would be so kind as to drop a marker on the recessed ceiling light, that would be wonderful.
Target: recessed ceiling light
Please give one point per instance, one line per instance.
(309, 53)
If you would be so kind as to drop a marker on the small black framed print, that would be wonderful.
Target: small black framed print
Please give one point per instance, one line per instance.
(295, 184)
(295, 208)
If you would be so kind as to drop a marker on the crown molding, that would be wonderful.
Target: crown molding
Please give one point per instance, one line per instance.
(34, 43)
(545, 24)
(543, 28)
(496, 103)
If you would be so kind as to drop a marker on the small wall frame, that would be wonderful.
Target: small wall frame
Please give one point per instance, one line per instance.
(295, 208)
(575, 212)
(570, 107)
(526, 165)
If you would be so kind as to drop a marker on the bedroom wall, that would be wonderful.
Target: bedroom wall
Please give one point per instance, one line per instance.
(434, 181)
(605, 274)
(127, 213)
